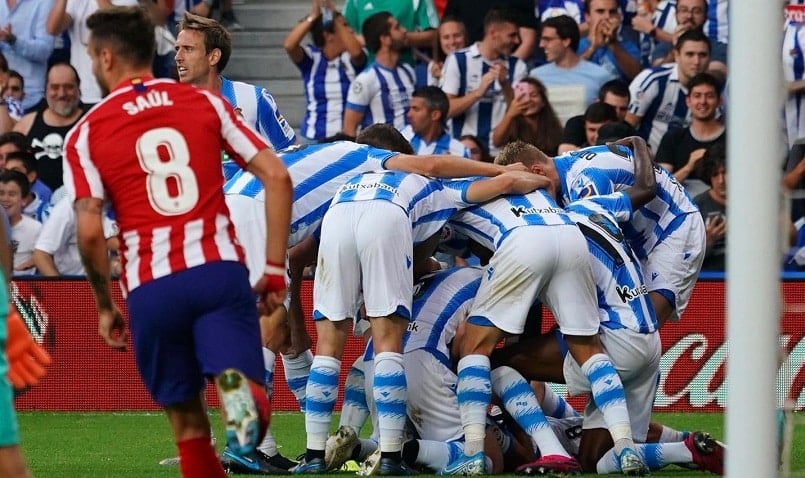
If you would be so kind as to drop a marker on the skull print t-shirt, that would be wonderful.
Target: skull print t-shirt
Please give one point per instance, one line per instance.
(47, 143)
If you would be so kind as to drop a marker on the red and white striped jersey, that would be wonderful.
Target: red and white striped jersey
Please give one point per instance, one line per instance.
(153, 148)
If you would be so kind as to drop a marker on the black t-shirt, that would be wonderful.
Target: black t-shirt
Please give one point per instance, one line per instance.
(716, 259)
(676, 146)
(574, 131)
(472, 13)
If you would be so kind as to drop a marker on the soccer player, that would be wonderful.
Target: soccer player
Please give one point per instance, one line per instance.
(203, 48)
(191, 308)
(667, 234)
(368, 241)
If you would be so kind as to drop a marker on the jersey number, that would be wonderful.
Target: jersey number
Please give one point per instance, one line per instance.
(171, 183)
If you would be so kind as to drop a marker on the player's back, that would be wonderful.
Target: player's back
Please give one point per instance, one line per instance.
(441, 301)
(622, 294)
(489, 223)
(162, 172)
(601, 170)
(317, 171)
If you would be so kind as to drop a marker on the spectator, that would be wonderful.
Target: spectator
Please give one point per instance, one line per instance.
(71, 16)
(713, 206)
(658, 94)
(452, 36)
(530, 118)
(793, 52)
(687, 15)
(597, 115)
(477, 148)
(46, 128)
(15, 88)
(38, 197)
(571, 81)
(10, 107)
(655, 26)
(574, 9)
(604, 44)
(478, 79)
(614, 93)
(417, 17)
(614, 131)
(328, 67)
(382, 92)
(681, 149)
(473, 15)
(26, 44)
(426, 124)
(24, 230)
(10, 142)
(717, 30)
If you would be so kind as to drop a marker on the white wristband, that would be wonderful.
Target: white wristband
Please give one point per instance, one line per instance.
(272, 270)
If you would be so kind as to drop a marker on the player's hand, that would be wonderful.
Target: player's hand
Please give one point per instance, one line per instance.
(112, 328)
(515, 167)
(635, 143)
(272, 288)
(26, 359)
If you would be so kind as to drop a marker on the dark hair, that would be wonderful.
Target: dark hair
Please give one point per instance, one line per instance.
(616, 87)
(385, 136)
(375, 27)
(548, 133)
(497, 15)
(26, 157)
(435, 99)
(697, 35)
(705, 79)
(128, 31)
(615, 130)
(715, 156)
(67, 65)
(16, 74)
(337, 137)
(566, 28)
(485, 156)
(3, 63)
(215, 36)
(18, 139)
(9, 175)
(317, 30)
(600, 112)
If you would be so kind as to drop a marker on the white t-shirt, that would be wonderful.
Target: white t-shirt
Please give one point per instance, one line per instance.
(23, 237)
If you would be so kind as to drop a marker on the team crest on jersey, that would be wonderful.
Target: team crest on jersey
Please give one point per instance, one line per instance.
(587, 191)
(239, 112)
(357, 87)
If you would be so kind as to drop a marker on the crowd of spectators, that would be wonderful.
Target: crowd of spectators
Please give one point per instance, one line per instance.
(453, 76)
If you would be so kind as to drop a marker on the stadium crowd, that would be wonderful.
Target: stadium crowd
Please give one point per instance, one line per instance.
(606, 114)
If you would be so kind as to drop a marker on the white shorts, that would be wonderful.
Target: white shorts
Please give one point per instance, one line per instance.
(249, 218)
(674, 263)
(432, 400)
(365, 253)
(636, 357)
(549, 263)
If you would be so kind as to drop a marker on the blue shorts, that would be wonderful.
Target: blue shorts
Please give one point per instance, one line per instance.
(193, 325)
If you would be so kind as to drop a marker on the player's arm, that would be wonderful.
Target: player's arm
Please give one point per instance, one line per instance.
(510, 182)
(442, 166)
(95, 257)
(352, 119)
(293, 41)
(644, 188)
(299, 257)
(267, 167)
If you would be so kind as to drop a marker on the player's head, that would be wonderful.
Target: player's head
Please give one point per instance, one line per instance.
(385, 136)
(382, 29)
(429, 106)
(62, 89)
(531, 157)
(14, 187)
(121, 40)
(203, 48)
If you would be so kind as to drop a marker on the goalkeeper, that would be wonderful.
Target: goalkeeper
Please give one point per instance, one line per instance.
(23, 367)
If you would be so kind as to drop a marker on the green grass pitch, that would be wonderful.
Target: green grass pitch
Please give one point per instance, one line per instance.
(77, 445)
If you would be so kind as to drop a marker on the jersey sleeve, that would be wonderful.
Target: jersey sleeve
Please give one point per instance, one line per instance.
(361, 92)
(618, 204)
(451, 76)
(81, 176)
(272, 124)
(642, 92)
(590, 183)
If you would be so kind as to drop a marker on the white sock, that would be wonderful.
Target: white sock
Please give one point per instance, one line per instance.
(474, 390)
(321, 393)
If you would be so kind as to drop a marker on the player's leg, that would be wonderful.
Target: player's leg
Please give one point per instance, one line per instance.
(345, 445)
(385, 247)
(698, 449)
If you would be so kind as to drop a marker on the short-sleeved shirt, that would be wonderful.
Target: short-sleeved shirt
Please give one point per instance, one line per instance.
(604, 56)
(171, 214)
(676, 146)
(444, 144)
(658, 99)
(382, 95)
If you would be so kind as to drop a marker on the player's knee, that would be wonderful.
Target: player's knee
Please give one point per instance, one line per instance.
(263, 407)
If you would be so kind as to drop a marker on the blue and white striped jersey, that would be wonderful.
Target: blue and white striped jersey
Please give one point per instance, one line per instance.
(717, 25)
(259, 110)
(428, 202)
(382, 95)
(489, 223)
(620, 289)
(658, 99)
(793, 52)
(599, 170)
(461, 74)
(317, 171)
(326, 83)
(545, 9)
(441, 301)
(444, 144)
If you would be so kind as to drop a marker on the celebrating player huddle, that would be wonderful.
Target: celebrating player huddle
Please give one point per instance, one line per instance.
(606, 241)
